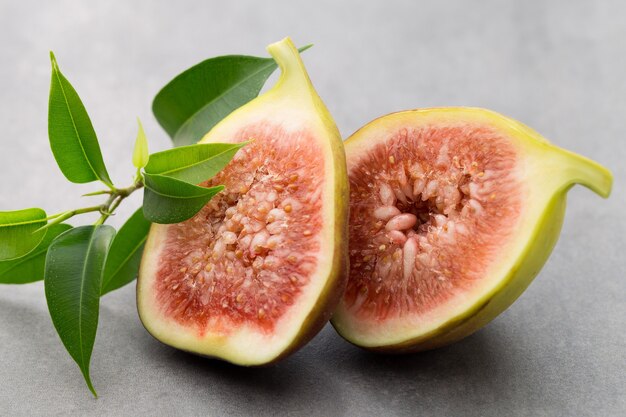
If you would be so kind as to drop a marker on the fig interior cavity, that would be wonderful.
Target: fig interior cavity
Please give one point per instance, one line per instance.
(430, 208)
(246, 256)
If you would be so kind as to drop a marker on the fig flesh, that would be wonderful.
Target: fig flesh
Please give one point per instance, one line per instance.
(259, 270)
(453, 211)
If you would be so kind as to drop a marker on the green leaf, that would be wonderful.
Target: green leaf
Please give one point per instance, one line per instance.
(125, 255)
(168, 200)
(18, 232)
(73, 278)
(195, 100)
(72, 137)
(140, 153)
(193, 163)
(30, 267)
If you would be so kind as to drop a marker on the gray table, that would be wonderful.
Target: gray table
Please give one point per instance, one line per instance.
(559, 66)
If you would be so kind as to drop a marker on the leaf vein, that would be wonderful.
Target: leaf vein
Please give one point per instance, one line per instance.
(57, 75)
(225, 93)
(132, 253)
(174, 170)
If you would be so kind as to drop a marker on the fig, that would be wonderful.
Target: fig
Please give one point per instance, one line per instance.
(453, 211)
(259, 270)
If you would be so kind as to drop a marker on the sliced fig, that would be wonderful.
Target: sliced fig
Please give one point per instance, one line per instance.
(453, 211)
(260, 269)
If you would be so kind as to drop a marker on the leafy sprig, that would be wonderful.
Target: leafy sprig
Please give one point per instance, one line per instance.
(81, 264)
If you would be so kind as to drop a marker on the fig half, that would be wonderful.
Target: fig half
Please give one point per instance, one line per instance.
(259, 270)
(453, 211)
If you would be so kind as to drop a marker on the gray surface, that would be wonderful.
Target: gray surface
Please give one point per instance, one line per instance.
(558, 66)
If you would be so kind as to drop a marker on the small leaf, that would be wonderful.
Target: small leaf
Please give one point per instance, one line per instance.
(168, 200)
(193, 163)
(140, 153)
(18, 232)
(72, 137)
(73, 278)
(30, 267)
(125, 254)
(195, 100)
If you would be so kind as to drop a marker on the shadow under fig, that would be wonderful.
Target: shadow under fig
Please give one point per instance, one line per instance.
(484, 370)
(331, 374)
(469, 355)
(294, 386)
(279, 377)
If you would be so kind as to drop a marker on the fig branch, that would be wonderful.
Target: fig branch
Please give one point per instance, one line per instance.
(117, 196)
(107, 209)
(72, 260)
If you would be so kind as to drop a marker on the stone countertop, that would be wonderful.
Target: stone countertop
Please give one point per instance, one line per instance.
(558, 66)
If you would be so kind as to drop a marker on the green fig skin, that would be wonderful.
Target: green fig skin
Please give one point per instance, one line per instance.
(563, 170)
(294, 102)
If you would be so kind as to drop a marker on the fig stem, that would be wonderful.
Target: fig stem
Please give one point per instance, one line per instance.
(117, 196)
(98, 193)
(288, 59)
(63, 216)
(589, 173)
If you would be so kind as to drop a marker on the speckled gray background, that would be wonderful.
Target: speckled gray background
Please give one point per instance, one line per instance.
(559, 66)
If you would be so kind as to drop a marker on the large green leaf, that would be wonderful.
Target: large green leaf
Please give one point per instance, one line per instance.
(193, 163)
(195, 100)
(73, 278)
(72, 137)
(167, 200)
(125, 254)
(18, 232)
(30, 267)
